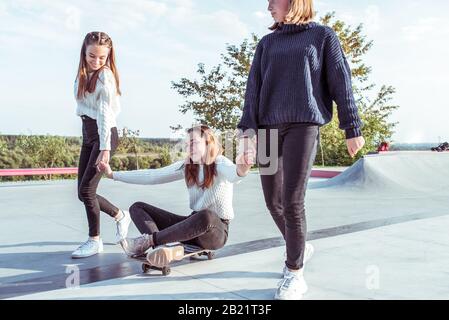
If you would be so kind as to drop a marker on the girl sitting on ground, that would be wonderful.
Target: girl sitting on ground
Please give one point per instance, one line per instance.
(209, 178)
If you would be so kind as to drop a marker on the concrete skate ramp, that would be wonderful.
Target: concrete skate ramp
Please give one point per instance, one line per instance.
(389, 211)
(395, 172)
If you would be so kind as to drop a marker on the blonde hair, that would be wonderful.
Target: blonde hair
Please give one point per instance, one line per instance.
(300, 12)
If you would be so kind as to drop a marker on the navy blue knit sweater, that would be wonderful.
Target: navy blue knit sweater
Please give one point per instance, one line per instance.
(296, 73)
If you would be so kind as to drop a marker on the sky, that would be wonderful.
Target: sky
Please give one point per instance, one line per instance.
(160, 41)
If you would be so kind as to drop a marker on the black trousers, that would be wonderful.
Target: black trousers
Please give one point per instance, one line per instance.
(201, 228)
(284, 188)
(89, 178)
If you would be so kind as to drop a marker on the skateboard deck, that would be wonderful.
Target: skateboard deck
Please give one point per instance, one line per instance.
(190, 251)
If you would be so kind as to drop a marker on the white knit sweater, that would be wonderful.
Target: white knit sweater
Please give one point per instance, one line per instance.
(217, 198)
(102, 105)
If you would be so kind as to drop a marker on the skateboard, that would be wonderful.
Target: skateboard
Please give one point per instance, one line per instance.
(190, 251)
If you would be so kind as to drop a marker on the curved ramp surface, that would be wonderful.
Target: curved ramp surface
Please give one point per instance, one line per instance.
(395, 172)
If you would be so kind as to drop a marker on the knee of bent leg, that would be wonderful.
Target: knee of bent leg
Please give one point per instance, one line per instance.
(274, 208)
(294, 208)
(80, 197)
(294, 202)
(84, 194)
(134, 210)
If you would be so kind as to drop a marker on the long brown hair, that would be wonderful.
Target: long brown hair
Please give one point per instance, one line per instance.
(300, 12)
(84, 83)
(213, 150)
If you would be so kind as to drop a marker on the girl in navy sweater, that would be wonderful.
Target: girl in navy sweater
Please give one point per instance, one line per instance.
(298, 71)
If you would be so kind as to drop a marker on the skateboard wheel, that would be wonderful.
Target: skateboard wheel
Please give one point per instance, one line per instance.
(166, 271)
(210, 255)
(146, 268)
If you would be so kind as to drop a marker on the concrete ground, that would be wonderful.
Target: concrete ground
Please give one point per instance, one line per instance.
(379, 232)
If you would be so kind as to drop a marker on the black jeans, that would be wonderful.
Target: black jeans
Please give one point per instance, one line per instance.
(285, 188)
(89, 178)
(201, 228)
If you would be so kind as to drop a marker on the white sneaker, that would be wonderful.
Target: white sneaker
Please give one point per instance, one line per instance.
(123, 225)
(292, 287)
(88, 248)
(136, 246)
(308, 253)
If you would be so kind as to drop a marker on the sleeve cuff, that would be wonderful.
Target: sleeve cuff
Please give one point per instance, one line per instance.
(353, 133)
(105, 142)
(105, 148)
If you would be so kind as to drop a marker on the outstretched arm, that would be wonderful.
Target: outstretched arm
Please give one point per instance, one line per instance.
(235, 172)
(166, 174)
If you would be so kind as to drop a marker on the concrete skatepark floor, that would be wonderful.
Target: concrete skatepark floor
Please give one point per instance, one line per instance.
(379, 230)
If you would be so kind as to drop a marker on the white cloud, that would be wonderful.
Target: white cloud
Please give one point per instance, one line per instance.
(73, 17)
(426, 29)
(155, 8)
(224, 22)
(414, 136)
(3, 9)
(348, 18)
(54, 15)
(123, 16)
(205, 27)
(372, 18)
(44, 19)
(260, 14)
(182, 3)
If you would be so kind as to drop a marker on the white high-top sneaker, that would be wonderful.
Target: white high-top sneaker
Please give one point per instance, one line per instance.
(89, 248)
(292, 287)
(308, 253)
(122, 226)
(136, 246)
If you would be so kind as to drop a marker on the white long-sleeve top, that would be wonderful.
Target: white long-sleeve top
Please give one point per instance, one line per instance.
(102, 105)
(218, 197)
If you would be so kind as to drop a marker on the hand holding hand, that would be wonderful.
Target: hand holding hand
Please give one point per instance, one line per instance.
(246, 156)
(106, 168)
(104, 156)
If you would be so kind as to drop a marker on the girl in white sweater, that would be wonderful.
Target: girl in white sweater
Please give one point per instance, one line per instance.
(97, 93)
(209, 178)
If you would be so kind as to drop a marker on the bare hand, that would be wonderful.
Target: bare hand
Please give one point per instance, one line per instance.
(103, 157)
(106, 168)
(246, 144)
(244, 163)
(246, 157)
(355, 145)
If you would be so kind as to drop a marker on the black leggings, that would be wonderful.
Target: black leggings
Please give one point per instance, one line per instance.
(201, 228)
(89, 178)
(285, 188)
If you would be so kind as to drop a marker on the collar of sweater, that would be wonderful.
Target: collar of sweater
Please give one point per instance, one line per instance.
(293, 28)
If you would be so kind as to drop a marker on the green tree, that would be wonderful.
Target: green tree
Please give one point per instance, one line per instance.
(217, 97)
(165, 157)
(374, 106)
(130, 143)
(44, 152)
(3, 145)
